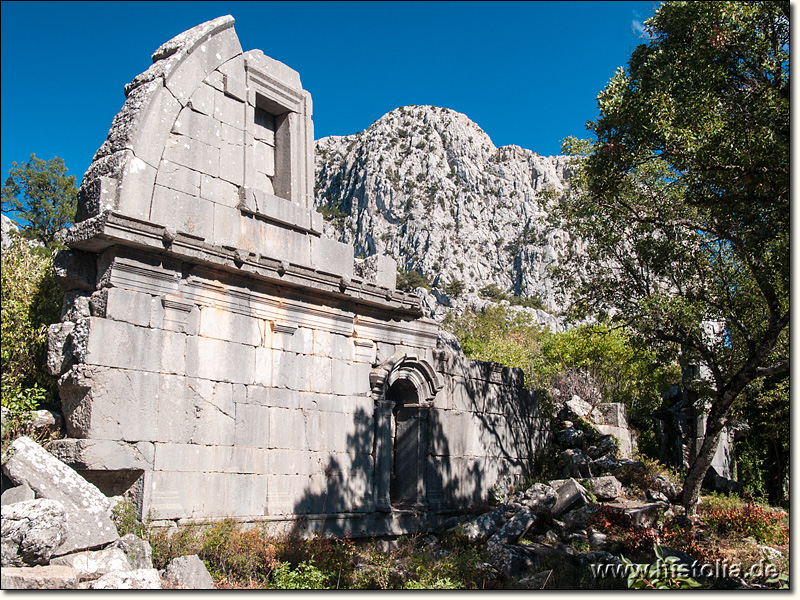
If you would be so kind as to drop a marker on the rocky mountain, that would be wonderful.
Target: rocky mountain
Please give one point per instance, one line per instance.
(428, 187)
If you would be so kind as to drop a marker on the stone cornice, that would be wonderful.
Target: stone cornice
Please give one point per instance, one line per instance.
(114, 229)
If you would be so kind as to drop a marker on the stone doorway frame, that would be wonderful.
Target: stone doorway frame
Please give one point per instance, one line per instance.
(413, 372)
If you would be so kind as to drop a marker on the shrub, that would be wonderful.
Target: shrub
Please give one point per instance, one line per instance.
(751, 520)
(31, 300)
(454, 287)
(492, 292)
(408, 281)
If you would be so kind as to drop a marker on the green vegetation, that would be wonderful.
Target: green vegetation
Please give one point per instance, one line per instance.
(333, 214)
(614, 361)
(408, 281)
(31, 301)
(687, 189)
(454, 287)
(43, 197)
(254, 557)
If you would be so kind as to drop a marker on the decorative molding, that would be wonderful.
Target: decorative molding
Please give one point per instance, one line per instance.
(111, 228)
(283, 328)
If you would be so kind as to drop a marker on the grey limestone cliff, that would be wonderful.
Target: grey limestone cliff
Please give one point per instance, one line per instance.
(427, 186)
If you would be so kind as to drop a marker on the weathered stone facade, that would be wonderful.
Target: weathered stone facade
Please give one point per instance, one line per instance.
(217, 357)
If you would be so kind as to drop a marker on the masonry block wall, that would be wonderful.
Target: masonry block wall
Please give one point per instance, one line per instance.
(217, 357)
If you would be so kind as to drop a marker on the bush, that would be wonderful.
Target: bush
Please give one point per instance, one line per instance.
(31, 301)
(454, 287)
(724, 516)
(408, 281)
(610, 359)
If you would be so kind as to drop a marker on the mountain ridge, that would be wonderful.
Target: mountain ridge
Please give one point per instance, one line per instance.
(427, 186)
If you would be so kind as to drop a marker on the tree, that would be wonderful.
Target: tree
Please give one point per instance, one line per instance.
(42, 195)
(683, 199)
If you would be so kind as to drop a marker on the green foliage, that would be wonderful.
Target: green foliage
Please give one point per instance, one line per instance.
(492, 292)
(305, 577)
(664, 574)
(42, 195)
(726, 516)
(408, 281)
(454, 287)
(31, 301)
(762, 456)
(333, 214)
(127, 521)
(683, 200)
(623, 369)
(528, 302)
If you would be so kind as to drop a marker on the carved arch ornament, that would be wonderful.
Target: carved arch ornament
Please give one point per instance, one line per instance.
(415, 374)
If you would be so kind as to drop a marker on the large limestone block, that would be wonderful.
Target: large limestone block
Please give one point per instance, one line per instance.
(92, 565)
(189, 572)
(225, 325)
(570, 495)
(332, 256)
(126, 346)
(219, 360)
(112, 455)
(51, 577)
(182, 212)
(141, 579)
(31, 532)
(31, 464)
(137, 551)
(88, 522)
(129, 306)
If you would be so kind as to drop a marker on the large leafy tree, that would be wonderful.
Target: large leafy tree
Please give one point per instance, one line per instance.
(42, 195)
(683, 199)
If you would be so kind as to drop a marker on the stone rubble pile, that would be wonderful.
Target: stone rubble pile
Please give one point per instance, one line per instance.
(548, 522)
(57, 533)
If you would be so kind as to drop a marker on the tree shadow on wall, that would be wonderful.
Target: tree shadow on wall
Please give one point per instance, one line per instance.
(340, 499)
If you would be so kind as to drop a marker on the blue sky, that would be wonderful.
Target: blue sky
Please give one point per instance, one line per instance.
(528, 73)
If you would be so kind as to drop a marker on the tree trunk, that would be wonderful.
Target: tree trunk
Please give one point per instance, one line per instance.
(699, 468)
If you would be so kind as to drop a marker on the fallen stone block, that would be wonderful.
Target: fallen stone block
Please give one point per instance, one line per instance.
(140, 579)
(31, 532)
(138, 551)
(93, 565)
(16, 494)
(647, 516)
(570, 438)
(189, 572)
(574, 463)
(606, 444)
(570, 495)
(51, 577)
(605, 488)
(31, 464)
(540, 495)
(87, 530)
(514, 528)
(480, 528)
(86, 508)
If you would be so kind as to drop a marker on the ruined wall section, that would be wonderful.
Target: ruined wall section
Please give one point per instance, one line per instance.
(218, 358)
(490, 428)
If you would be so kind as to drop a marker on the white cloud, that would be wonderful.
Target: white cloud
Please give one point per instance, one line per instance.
(639, 29)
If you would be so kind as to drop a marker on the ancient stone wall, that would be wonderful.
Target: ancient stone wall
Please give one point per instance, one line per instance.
(218, 358)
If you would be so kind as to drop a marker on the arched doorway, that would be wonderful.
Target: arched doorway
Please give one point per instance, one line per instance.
(403, 388)
(409, 445)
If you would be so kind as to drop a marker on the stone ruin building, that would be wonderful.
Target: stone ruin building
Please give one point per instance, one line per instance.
(217, 357)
